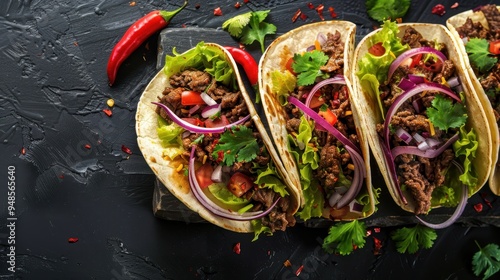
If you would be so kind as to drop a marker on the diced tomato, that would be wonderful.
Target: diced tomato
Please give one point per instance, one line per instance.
(415, 60)
(194, 121)
(495, 47)
(316, 101)
(203, 174)
(218, 122)
(239, 184)
(189, 97)
(377, 49)
(288, 65)
(329, 116)
(217, 11)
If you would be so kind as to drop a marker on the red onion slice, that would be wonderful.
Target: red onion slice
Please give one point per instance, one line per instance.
(207, 99)
(210, 110)
(392, 169)
(197, 129)
(458, 211)
(410, 53)
(429, 153)
(337, 79)
(193, 109)
(403, 135)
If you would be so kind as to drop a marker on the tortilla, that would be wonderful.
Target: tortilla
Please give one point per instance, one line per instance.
(452, 23)
(296, 41)
(369, 111)
(164, 169)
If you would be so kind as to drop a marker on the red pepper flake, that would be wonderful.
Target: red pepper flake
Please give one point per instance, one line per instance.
(377, 230)
(217, 11)
(287, 263)
(368, 232)
(299, 270)
(23, 151)
(399, 20)
(296, 15)
(126, 150)
(439, 10)
(333, 14)
(377, 246)
(184, 25)
(486, 200)
(320, 9)
(237, 5)
(132, 4)
(454, 5)
(197, 6)
(310, 5)
(237, 248)
(246, 1)
(108, 112)
(73, 239)
(61, 176)
(87, 146)
(478, 207)
(303, 16)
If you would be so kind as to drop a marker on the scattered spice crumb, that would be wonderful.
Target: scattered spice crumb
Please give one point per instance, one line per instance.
(87, 146)
(296, 15)
(320, 9)
(333, 14)
(369, 232)
(478, 207)
(110, 102)
(377, 250)
(377, 230)
(454, 5)
(23, 151)
(197, 6)
(237, 5)
(75, 43)
(132, 4)
(237, 248)
(72, 239)
(486, 200)
(299, 270)
(287, 263)
(108, 112)
(184, 25)
(438, 10)
(246, 1)
(399, 20)
(310, 5)
(304, 17)
(217, 11)
(126, 150)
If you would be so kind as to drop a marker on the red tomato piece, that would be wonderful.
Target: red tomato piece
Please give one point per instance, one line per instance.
(288, 65)
(377, 49)
(316, 101)
(415, 60)
(239, 184)
(495, 47)
(194, 121)
(203, 175)
(434, 66)
(189, 97)
(217, 11)
(329, 116)
(218, 122)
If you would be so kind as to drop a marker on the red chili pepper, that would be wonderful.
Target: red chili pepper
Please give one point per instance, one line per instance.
(137, 34)
(73, 239)
(246, 60)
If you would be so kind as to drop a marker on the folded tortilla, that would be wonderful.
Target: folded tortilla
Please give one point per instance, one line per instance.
(369, 111)
(274, 58)
(453, 23)
(164, 168)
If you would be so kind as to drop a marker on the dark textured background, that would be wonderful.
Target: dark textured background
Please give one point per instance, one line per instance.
(53, 87)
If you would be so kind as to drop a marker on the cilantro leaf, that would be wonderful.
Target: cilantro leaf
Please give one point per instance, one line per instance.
(307, 66)
(235, 24)
(479, 55)
(238, 145)
(487, 259)
(409, 240)
(444, 114)
(381, 10)
(346, 236)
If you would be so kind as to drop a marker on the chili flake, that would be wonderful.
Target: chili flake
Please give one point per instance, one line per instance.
(87, 146)
(454, 5)
(23, 151)
(126, 150)
(377, 246)
(368, 232)
(237, 248)
(310, 5)
(303, 16)
(287, 263)
(299, 270)
(487, 201)
(217, 11)
(197, 6)
(246, 1)
(478, 207)
(108, 112)
(438, 10)
(237, 5)
(72, 239)
(320, 9)
(132, 4)
(333, 14)
(296, 15)
(377, 230)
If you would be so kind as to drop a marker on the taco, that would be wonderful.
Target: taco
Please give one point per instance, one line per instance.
(306, 95)
(477, 33)
(200, 134)
(427, 130)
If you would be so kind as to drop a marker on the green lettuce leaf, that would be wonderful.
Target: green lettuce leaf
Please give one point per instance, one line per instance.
(466, 148)
(269, 178)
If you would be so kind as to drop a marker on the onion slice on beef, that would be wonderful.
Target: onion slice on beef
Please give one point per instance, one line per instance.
(410, 53)
(214, 208)
(337, 79)
(197, 129)
(429, 153)
(210, 110)
(458, 211)
(392, 169)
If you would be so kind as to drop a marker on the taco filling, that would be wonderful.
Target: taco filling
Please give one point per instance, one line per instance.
(207, 132)
(426, 143)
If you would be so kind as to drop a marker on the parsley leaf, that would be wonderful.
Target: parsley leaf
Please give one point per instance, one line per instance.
(250, 27)
(487, 259)
(409, 240)
(307, 66)
(346, 236)
(381, 10)
(479, 55)
(238, 145)
(444, 114)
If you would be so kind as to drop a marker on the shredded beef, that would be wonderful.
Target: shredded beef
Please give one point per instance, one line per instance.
(280, 217)
(492, 16)
(334, 48)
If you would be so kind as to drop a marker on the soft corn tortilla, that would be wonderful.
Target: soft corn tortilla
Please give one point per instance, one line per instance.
(370, 114)
(298, 40)
(452, 23)
(164, 169)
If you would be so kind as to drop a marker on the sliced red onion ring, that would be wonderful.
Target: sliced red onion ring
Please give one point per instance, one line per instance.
(458, 211)
(210, 110)
(453, 81)
(194, 109)
(416, 79)
(403, 135)
(406, 84)
(337, 79)
(207, 99)
(392, 169)
(321, 37)
(429, 153)
(214, 208)
(410, 53)
(217, 174)
(197, 129)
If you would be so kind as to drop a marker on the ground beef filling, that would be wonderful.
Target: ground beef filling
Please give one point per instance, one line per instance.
(233, 108)
(419, 175)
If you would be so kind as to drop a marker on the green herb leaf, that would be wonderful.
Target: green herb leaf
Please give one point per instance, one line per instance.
(235, 24)
(283, 84)
(344, 237)
(444, 114)
(486, 260)
(409, 240)
(479, 55)
(238, 145)
(307, 66)
(381, 10)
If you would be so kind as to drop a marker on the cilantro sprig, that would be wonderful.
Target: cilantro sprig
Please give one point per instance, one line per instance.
(479, 55)
(381, 10)
(486, 260)
(444, 114)
(409, 240)
(250, 27)
(308, 65)
(344, 237)
(238, 144)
